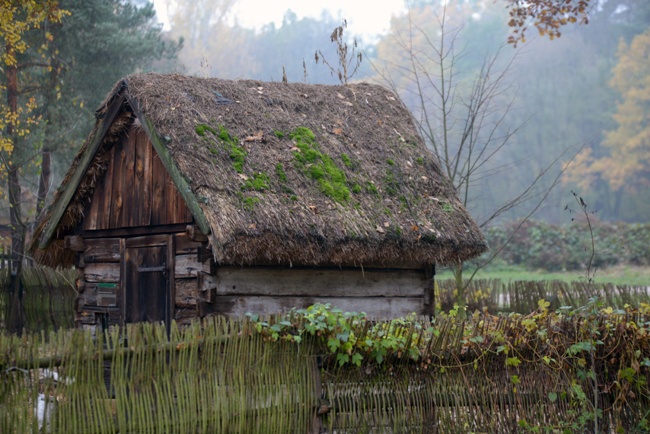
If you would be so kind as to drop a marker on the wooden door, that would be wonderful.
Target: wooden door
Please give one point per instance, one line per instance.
(148, 272)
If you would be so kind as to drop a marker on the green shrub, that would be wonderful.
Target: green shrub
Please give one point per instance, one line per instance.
(539, 245)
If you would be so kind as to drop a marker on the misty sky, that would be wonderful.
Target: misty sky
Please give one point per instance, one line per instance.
(367, 17)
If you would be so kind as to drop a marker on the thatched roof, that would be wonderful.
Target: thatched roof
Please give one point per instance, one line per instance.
(282, 173)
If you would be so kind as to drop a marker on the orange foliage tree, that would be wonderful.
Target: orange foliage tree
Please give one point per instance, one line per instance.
(547, 16)
(625, 161)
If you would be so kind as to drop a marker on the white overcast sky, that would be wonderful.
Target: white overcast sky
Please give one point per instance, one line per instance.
(366, 17)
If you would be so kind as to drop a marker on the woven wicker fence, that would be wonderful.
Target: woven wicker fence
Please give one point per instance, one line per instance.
(490, 374)
(204, 379)
(522, 296)
(48, 298)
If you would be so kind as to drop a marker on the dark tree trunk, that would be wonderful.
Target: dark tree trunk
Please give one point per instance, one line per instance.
(16, 319)
(44, 180)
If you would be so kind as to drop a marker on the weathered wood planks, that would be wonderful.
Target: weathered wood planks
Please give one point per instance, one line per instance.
(101, 250)
(142, 180)
(374, 307)
(103, 277)
(317, 282)
(135, 190)
(102, 272)
(379, 293)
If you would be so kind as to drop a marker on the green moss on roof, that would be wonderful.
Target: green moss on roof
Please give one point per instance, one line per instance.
(371, 188)
(346, 160)
(391, 186)
(318, 166)
(249, 202)
(202, 128)
(259, 182)
(238, 156)
(279, 170)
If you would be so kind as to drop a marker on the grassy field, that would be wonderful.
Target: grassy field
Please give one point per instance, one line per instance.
(620, 275)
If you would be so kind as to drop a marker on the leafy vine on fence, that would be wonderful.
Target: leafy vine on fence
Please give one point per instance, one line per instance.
(603, 351)
(349, 336)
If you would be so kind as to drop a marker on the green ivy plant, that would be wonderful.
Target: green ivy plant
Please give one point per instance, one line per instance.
(336, 330)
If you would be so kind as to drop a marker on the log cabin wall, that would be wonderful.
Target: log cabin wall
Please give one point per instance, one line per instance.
(102, 271)
(201, 288)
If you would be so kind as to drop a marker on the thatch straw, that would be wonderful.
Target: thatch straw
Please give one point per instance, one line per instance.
(399, 207)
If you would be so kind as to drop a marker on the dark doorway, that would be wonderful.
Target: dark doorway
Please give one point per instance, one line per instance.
(148, 276)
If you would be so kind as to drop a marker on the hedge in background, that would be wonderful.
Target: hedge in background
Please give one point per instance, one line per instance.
(539, 245)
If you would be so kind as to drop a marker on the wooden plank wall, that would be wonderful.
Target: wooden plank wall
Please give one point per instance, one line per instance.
(136, 190)
(98, 282)
(380, 293)
(201, 288)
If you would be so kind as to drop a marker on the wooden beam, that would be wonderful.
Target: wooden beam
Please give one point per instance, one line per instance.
(77, 176)
(102, 250)
(135, 231)
(102, 272)
(249, 281)
(187, 266)
(174, 173)
(185, 246)
(429, 291)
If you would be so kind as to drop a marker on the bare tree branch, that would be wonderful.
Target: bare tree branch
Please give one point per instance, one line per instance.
(464, 119)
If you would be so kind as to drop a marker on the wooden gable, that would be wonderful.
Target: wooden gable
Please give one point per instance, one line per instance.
(136, 189)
